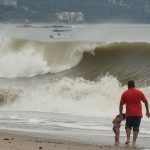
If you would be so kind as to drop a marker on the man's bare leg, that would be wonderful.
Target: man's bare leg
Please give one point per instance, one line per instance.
(128, 133)
(135, 135)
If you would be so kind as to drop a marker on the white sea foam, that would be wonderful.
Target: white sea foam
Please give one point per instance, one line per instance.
(35, 120)
(28, 58)
(75, 96)
(20, 64)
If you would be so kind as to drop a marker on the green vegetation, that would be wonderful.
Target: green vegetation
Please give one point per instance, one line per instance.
(95, 11)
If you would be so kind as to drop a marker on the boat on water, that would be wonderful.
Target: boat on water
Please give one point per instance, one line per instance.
(62, 33)
(60, 36)
(62, 30)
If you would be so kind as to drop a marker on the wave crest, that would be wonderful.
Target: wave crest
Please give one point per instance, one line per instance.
(28, 58)
(125, 60)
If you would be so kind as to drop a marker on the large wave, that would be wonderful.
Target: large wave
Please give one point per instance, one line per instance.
(23, 58)
(90, 76)
(125, 60)
(73, 94)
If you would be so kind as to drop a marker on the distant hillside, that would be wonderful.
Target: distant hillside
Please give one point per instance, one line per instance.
(137, 11)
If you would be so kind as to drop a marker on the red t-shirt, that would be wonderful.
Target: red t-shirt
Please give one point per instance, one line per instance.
(132, 98)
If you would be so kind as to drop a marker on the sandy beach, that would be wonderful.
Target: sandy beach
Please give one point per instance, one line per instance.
(15, 141)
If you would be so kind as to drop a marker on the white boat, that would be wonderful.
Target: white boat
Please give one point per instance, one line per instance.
(62, 32)
(59, 36)
(62, 35)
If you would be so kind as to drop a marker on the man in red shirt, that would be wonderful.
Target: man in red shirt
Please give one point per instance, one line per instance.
(132, 99)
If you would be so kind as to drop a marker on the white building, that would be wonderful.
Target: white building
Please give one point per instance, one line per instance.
(71, 17)
(12, 3)
(118, 2)
(112, 1)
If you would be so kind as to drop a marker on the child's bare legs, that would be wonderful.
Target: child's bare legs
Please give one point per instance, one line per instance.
(117, 135)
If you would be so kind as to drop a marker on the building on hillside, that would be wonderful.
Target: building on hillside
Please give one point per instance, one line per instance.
(70, 17)
(118, 2)
(112, 1)
(147, 8)
(12, 3)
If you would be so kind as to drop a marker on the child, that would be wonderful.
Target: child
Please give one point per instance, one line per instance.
(116, 128)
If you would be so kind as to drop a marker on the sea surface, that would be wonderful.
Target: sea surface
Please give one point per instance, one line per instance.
(68, 84)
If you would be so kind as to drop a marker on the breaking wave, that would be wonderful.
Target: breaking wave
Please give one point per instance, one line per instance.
(94, 79)
(29, 58)
(125, 60)
(73, 96)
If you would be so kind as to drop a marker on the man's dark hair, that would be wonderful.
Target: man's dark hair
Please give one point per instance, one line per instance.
(131, 84)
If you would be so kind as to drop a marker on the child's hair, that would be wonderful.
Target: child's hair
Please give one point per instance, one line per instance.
(123, 115)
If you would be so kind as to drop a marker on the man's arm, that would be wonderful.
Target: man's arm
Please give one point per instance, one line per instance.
(120, 108)
(147, 109)
(122, 102)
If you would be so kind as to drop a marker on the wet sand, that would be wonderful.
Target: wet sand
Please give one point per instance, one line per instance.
(15, 141)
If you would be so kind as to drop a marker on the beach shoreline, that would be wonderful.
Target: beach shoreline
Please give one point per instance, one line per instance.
(14, 140)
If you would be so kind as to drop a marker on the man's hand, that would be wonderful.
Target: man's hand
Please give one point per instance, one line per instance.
(148, 114)
(147, 109)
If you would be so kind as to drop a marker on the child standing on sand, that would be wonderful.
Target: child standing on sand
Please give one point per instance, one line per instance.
(116, 128)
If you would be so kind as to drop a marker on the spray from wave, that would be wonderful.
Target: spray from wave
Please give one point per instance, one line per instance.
(73, 96)
(9, 95)
(29, 58)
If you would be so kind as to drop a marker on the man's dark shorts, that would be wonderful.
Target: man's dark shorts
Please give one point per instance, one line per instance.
(134, 122)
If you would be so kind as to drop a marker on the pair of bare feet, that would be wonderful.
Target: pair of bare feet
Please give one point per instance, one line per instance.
(127, 142)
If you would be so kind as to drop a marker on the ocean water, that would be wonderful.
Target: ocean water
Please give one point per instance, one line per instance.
(70, 85)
